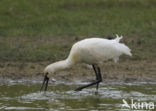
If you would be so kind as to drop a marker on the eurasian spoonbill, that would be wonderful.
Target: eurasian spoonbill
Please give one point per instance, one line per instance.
(92, 51)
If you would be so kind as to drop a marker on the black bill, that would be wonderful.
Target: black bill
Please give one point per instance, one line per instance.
(45, 81)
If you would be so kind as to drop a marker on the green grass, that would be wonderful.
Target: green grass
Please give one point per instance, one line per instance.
(30, 29)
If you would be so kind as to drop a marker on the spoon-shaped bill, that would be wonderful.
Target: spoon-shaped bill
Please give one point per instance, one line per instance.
(45, 82)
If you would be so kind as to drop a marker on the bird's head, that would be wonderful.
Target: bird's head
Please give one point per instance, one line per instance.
(48, 72)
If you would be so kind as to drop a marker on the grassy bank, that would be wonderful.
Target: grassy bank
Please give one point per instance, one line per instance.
(39, 30)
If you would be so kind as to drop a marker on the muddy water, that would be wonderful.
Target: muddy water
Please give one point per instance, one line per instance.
(19, 96)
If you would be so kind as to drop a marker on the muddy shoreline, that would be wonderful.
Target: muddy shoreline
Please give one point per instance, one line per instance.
(124, 71)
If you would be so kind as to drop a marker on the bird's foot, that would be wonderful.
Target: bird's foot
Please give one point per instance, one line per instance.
(78, 89)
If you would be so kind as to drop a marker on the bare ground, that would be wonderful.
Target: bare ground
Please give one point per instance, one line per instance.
(125, 71)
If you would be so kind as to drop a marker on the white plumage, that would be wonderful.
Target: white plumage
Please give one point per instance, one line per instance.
(92, 51)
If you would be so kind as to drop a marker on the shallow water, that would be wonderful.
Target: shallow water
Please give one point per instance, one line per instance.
(19, 96)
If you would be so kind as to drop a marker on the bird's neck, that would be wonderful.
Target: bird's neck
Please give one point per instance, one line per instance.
(61, 65)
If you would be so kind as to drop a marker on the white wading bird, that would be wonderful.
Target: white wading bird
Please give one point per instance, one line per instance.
(92, 51)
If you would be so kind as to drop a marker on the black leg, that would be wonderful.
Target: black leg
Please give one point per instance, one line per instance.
(98, 79)
(80, 88)
(96, 73)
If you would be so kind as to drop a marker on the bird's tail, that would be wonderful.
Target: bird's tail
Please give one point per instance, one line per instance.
(122, 47)
(125, 49)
